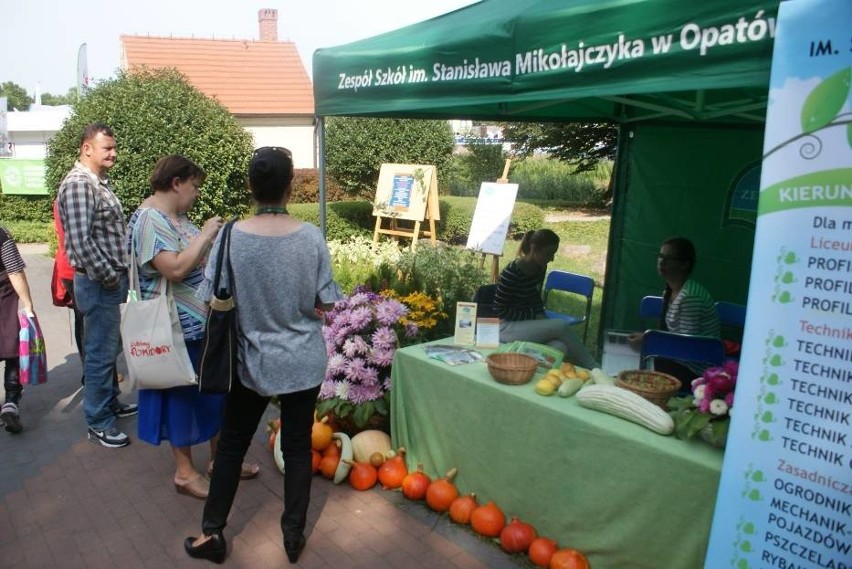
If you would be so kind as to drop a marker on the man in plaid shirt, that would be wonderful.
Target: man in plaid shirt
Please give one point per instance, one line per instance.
(95, 235)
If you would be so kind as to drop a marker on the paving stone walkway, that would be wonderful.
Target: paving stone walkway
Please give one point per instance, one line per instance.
(68, 503)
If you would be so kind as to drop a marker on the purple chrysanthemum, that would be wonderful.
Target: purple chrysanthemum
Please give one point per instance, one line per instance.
(384, 338)
(381, 358)
(390, 311)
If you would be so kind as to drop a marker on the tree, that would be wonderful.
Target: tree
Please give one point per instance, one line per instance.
(154, 113)
(581, 144)
(67, 99)
(356, 148)
(16, 96)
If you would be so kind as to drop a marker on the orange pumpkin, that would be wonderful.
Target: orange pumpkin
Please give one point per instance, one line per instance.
(488, 520)
(363, 475)
(321, 434)
(415, 484)
(441, 493)
(517, 536)
(568, 559)
(316, 457)
(328, 466)
(541, 550)
(462, 507)
(393, 471)
(331, 450)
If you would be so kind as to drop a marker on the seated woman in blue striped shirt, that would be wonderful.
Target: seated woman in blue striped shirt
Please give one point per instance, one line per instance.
(687, 306)
(518, 301)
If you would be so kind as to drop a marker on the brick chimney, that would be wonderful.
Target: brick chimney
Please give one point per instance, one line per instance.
(268, 20)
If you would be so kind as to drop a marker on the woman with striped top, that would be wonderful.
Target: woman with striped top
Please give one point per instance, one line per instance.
(519, 303)
(168, 246)
(687, 306)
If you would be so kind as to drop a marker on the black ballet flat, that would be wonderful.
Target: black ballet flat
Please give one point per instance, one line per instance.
(214, 549)
(294, 548)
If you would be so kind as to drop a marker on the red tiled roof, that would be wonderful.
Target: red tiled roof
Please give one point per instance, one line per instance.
(248, 77)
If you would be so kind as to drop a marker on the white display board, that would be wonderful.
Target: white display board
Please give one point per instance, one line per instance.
(492, 216)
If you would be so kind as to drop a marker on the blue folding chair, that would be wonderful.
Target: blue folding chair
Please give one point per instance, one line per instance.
(731, 314)
(572, 283)
(683, 347)
(651, 307)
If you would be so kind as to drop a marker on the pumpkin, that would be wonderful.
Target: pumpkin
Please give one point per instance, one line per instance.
(328, 466)
(488, 520)
(541, 550)
(362, 475)
(367, 442)
(332, 449)
(316, 457)
(415, 484)
(321, 434)
(442, 492)
(393, 471)
(377, 459)
(568, 559)
(462, 507)
(517, 536)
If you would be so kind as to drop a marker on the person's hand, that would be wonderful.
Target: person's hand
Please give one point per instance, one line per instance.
(211, 227)
(635, 340)
(111, 283)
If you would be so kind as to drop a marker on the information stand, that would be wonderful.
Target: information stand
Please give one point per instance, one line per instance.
(406, 193)
(491, 219)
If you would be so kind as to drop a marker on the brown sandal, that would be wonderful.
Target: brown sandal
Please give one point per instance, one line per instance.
(249, 470)
(198, 487)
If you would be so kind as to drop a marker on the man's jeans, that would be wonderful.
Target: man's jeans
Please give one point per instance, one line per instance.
(102, 319)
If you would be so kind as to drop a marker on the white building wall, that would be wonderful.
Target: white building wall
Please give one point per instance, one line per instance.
(300, 139)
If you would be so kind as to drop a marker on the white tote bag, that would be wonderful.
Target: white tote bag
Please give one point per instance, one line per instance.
(152, 338)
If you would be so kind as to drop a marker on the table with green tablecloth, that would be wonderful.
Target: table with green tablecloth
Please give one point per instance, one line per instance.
(625, 496)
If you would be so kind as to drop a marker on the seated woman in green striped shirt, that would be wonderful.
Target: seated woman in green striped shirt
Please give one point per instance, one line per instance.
(687, 306)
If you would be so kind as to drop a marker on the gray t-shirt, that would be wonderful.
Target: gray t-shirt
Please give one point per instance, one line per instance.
(278, 282)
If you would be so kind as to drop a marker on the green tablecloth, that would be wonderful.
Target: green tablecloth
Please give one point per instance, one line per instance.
(625, 496)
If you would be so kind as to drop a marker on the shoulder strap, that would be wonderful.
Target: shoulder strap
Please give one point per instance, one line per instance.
(224, 251)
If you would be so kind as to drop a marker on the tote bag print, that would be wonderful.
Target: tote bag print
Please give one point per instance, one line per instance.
(31, 350)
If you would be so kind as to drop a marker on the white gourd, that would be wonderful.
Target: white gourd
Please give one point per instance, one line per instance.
(600, 378)
(345, 457)
(627, 405)
(366, 443)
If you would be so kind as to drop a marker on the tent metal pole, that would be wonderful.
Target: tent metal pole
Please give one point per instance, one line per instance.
(321, 144)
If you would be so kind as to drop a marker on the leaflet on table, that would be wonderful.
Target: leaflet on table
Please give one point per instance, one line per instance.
(452, 355)
(465, 333)
(546, 356)
(487, 332)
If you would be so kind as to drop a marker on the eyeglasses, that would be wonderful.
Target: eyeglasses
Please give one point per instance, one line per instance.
(669, 258)
(281, 149)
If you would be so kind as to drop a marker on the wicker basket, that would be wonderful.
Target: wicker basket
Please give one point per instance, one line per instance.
(654, 386)
(511, 368)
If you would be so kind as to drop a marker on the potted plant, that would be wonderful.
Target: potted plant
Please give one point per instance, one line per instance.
(707, 410)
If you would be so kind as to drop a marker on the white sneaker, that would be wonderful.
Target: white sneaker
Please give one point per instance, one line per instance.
(110, 438)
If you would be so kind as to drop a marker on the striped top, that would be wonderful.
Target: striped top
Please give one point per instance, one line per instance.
(10, 257)
(518, 295)
(94, 224)
(152, 232)
(693, 312)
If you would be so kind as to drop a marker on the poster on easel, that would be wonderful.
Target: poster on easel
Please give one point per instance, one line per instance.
(785, 494)
(491, 218)
(406, 193)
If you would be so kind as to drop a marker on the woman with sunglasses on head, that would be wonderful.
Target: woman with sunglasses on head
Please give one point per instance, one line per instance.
(282, 275)
(687, 306)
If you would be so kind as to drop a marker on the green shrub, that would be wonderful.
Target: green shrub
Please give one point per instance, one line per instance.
(26, 208)
(306, 187)
(475, 164)
(547, 179)
(29, 231)
(343, 219)
(154, 113)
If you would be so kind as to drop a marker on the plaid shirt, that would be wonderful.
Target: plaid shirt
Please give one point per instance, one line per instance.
(95, 228)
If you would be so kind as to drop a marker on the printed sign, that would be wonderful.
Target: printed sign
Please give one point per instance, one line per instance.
(491, 218)
(785, 497)
(22, 176)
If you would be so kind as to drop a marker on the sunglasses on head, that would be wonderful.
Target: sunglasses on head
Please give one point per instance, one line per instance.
(280, 149)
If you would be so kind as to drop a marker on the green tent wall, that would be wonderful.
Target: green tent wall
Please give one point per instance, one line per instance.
(690, 117)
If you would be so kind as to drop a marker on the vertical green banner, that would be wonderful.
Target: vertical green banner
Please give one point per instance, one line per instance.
(22, 176)
(785, 496)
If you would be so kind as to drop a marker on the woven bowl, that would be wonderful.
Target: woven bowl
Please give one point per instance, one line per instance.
(511, 368)
(654, 386)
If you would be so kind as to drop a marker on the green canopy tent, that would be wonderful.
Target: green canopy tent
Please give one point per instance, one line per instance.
(686, 83)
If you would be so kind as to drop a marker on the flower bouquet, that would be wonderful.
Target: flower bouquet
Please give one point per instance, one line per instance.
(706, 412)
(361, 334)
